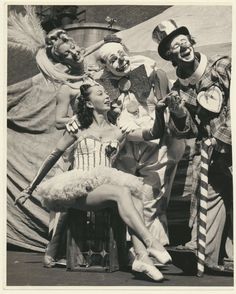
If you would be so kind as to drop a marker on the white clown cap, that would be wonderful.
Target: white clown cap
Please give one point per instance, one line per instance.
(108, 48)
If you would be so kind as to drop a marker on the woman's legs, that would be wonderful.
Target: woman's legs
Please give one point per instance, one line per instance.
(105, 195)
(142, 262)
(139, 248)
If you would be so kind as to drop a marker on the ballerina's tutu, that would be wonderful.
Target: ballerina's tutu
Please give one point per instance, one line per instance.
(61, 192)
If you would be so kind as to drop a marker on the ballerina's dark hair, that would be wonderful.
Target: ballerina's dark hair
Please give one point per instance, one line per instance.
(84, 113)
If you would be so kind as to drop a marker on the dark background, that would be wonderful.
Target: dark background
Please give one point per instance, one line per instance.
(126, 15)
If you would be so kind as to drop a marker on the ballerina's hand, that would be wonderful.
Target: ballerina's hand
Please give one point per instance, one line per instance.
(73, 125)
(162, 103)
(128, 126)
(23, 196)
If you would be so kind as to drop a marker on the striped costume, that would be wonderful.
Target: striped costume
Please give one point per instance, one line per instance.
(92, 167)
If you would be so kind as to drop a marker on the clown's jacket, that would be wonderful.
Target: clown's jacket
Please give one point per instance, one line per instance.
(207, 100)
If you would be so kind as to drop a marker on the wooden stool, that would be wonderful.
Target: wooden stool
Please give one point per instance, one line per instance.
(96, 241)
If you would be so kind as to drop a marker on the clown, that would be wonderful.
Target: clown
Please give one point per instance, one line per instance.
(137, 88)
(200, 106)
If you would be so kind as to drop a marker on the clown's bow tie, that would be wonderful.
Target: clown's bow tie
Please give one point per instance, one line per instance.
(136, 82)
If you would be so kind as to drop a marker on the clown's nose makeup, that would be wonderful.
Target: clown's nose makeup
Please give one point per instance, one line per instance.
(184, 46)
(121, 56)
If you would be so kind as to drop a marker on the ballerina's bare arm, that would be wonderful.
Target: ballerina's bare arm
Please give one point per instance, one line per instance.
(152, 133)
(62, 107)
(66, 141)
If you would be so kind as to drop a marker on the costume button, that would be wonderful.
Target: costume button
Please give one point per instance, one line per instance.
(124, 84)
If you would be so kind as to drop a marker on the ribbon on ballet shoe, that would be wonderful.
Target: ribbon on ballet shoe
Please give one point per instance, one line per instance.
(161, 256)
(150, 270)
(158, 251)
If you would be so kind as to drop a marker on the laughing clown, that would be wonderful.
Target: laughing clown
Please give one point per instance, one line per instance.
(136, 86)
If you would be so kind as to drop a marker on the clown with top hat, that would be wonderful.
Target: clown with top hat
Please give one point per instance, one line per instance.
(199, 103)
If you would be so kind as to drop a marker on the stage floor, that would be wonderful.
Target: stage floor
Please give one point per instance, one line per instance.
(26, 269)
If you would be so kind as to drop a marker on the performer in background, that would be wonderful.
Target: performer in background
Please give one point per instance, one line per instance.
(58, 57)
(199, 104)
(93, 183)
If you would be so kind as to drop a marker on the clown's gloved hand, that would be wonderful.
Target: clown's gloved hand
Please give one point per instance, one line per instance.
(73, 125)
(175, 104)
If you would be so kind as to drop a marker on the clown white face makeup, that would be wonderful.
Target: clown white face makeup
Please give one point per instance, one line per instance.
(116, 59)
(181, 50)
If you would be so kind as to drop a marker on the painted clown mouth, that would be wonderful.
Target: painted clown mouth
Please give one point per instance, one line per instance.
(186, 53)
(123, 67)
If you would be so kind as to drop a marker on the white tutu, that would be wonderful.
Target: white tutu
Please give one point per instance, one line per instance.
(61, 192)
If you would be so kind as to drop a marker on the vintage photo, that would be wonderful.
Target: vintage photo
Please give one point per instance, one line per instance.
(119, 151)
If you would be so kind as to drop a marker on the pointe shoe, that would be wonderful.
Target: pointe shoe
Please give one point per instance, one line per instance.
(159, 252)
(150, 270)
(48, 261)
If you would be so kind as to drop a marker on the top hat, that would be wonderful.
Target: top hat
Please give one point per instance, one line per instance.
(164, 32)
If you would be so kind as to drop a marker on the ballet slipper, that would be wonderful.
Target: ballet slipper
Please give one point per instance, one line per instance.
(157, 250)
(150, 270)
(48, 261)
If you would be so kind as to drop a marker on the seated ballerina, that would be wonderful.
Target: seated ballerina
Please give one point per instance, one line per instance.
(93, 183)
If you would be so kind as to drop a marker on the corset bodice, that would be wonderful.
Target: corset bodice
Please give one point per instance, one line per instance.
(90, 152)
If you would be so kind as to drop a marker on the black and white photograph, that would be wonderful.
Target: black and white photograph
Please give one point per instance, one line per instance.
(118, 146)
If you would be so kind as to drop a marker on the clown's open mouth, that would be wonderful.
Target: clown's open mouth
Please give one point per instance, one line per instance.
(123, 67)
(186, 53)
